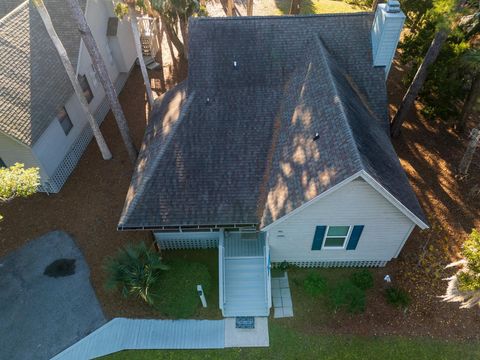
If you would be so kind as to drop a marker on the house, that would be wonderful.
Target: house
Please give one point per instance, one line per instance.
(277, 148)
(41, 120)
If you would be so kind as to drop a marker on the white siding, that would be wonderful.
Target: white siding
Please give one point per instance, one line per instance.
(53, 145)
(12, 152)
(356, 203)
(386, 31)
(123, 46)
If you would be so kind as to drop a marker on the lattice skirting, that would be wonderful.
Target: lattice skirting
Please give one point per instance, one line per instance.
(58, 179)
(346, 263)
(187, 244)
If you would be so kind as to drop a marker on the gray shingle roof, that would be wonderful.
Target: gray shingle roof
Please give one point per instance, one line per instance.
(247, 155)
(33, 84)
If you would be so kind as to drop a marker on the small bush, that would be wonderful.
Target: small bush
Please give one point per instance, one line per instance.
(135, 270)
(314, 284)
(362, 279)
(346, 295)
(469, 280)
(397, 297)
(284, 265)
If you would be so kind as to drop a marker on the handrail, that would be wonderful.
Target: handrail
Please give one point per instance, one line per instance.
(221, 265)
(268, 273)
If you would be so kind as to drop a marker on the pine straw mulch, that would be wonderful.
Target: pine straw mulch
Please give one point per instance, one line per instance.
(89, 205)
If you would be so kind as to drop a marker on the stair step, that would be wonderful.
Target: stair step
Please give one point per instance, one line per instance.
(153, 65)
(229, 312)
(148, 60)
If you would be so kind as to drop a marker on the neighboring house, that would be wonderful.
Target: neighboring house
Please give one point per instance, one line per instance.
(41, 121)
(276, 148)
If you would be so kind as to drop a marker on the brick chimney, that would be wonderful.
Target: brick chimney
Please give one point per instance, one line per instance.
(386, 29)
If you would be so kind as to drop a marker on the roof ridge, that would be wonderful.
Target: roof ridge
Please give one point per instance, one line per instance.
(159, 155)
(275, 17)
(14, 11)
(338, 101)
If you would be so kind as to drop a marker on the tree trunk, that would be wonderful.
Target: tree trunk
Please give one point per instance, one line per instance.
(184, 31)
(159, 56)
(102, 72)
(229, 7)
(172, 36)
(42, 10)
(421, 75)
(249, 7)
(417, 82)
(138, 48)
(472, 102)
(295, 7)
(468, 156)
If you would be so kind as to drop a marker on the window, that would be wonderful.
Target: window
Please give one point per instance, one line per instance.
(87, 91)
(2, 163)
(64, 121)
(336, 236)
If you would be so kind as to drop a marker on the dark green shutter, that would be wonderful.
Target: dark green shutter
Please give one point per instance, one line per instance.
(354, 237)
(318, 238)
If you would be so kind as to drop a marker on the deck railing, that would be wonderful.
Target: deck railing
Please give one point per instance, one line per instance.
(221, 267)
(148, 28)
(268, 275)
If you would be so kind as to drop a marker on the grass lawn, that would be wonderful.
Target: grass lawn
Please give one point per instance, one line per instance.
(178, 286)
(315, 7)
(288, 344)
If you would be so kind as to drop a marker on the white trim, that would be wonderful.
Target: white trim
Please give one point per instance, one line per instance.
(312, 201)
(404, 241)
(13, 11)
(345, 242)
(370, 180)
(81, 41)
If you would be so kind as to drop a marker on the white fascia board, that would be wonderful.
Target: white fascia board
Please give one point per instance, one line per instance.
(403, 209)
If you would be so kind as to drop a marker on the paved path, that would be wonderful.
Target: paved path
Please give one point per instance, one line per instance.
(124, 334)
(282, 299)
(41, 315)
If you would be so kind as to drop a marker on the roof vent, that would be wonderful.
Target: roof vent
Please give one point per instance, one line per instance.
(235, 65)
(207, 101)
(316, 137)
(393, 6)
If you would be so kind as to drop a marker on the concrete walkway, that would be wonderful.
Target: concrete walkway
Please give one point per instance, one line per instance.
(282, 299)
(128, 334)
(257, 337)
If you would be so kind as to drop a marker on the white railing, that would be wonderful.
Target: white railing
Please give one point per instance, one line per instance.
(148, 28)
(221, 267)
(268, 275)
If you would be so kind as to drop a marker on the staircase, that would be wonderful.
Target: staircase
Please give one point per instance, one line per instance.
(244, 275)
(149, 41)
(245, 293)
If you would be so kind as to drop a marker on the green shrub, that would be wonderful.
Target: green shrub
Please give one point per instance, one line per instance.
(470, 280)
(362, 279)
(314, 284)
(283, 266)
(346, 295)
(179, 297)
(135, 270)
(397, 297)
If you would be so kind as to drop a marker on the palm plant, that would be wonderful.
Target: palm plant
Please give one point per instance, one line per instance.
(135, 271)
